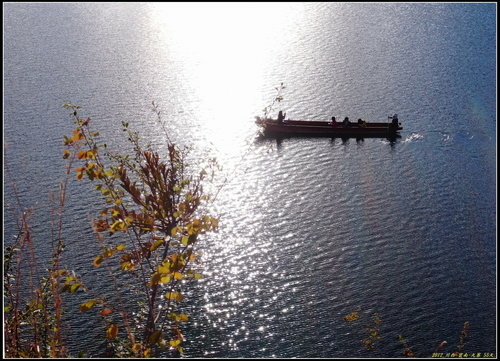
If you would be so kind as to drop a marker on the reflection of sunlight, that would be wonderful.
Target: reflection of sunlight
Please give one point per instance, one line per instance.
(224, 50)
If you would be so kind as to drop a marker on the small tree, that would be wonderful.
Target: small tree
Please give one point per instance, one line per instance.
(153, 217)
(277, 99)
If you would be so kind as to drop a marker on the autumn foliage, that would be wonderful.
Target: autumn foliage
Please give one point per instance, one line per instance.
(154, 213)
(152, 219)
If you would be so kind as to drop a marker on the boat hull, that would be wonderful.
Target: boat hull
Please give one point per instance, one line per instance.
(272, 127)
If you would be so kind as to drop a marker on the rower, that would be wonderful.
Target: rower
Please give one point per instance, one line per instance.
(346, 121)
(395, 120)
(334, 122)
(280, 117)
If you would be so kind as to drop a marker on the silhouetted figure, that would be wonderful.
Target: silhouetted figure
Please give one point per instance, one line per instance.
(395, 121)
(281, 117)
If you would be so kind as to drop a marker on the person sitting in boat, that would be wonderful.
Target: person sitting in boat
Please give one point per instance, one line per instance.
(361, 123)
(334, 122)
(346, 122)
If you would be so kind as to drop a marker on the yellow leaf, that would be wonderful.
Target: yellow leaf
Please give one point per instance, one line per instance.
(176, 296)
(77, 136)
(116, 226)
(182, 317)
(164, 267)
(66, 154)
(164, 279)
(84, 307)
(82, 154)
(177, 275)
(120, 247)
(112, 331)
(108, 252)
(127, 266)
(157, 244)
(98, 260)
(175, 343)
(351, 317)
(155, 278)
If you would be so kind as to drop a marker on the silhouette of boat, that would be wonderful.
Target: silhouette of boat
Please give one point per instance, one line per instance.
(282, 127)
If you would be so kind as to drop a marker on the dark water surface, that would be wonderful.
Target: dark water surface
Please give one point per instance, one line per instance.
(311, 229)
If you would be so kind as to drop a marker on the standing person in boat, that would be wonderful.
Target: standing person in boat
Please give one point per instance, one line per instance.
(395, 119)
(395, 122)
(281, 117)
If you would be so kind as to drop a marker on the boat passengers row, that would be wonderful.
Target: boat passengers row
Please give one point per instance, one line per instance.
(362, 123)
(346, 122)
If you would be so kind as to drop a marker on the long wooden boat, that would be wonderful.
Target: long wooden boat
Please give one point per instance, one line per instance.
(277, 127)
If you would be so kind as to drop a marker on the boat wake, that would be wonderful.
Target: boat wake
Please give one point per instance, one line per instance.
(413, 137)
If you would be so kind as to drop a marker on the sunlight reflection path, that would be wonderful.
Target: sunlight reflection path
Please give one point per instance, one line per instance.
(224, 51)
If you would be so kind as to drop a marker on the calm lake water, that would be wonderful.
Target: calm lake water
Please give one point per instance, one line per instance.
(311, 229)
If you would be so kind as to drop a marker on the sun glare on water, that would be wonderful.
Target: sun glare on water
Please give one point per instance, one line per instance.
(225, 51)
